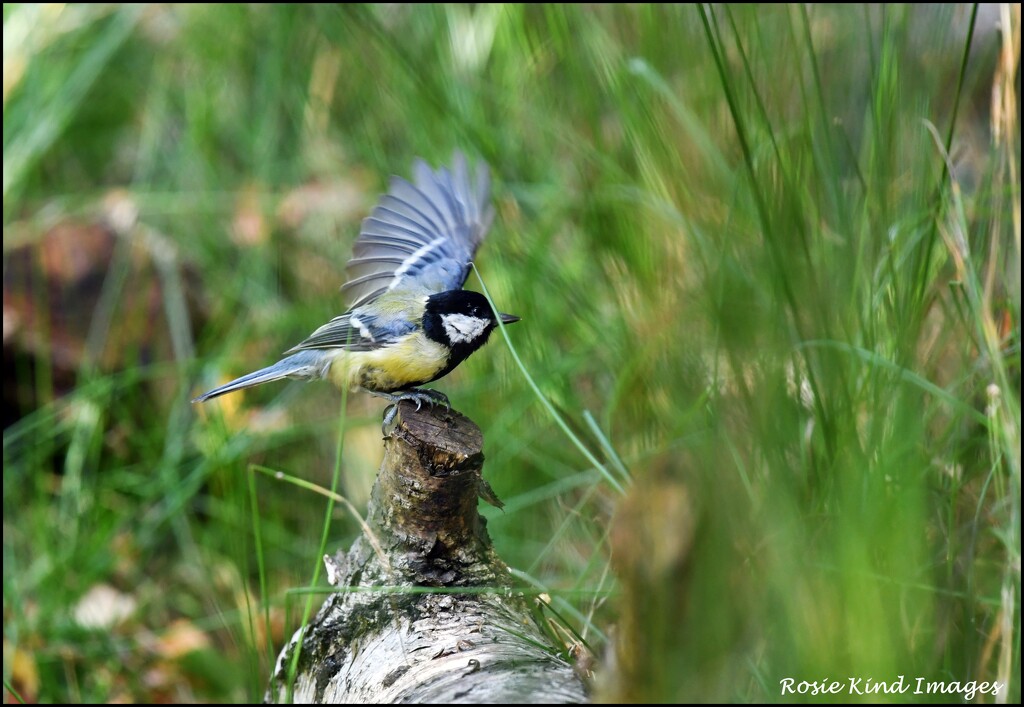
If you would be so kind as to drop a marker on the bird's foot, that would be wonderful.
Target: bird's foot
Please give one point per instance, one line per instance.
(415, 395)
(434, 397)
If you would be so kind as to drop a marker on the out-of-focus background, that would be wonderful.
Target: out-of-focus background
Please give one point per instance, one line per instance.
(768, 264)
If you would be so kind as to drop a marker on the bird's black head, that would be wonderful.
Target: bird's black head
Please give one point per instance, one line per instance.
(461, 320)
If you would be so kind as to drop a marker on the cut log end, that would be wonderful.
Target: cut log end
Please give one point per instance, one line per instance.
(426, 494)
(446, 439)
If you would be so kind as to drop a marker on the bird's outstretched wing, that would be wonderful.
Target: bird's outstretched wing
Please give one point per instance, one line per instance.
(358, 331)
(423, 234)
(418, 241)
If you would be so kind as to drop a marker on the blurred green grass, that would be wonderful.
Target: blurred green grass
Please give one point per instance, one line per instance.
(732, 236)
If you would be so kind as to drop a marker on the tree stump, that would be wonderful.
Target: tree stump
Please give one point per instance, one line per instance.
(425, 610)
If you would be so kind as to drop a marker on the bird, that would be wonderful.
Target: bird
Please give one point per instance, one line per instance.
(409, 321)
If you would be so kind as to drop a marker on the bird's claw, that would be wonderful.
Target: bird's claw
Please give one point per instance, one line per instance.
(389, 416)
(414, 395)
(435, 397)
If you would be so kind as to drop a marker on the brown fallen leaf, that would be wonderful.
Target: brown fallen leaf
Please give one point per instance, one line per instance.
(181, 638)
(24, 676)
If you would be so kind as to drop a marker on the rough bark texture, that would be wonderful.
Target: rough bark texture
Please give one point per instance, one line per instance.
(452, 645)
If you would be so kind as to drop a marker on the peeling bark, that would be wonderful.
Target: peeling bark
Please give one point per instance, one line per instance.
(385, 636)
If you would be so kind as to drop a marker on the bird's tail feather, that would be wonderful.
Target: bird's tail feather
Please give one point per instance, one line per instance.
(307, 365)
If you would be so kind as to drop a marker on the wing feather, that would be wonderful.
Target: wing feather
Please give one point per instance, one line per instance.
(418, 240)
(387, 275)
(437, 189)
(420, 203)
(422, 234)
(339, 333)
(376, 259)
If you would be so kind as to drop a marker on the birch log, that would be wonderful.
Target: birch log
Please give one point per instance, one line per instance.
(425, 610)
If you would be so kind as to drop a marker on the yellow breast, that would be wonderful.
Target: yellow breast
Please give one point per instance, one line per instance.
(410, 361)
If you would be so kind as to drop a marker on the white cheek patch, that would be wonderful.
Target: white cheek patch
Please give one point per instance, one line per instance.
(461, 328)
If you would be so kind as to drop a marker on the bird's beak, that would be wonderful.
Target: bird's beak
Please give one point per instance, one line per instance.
(508, 318)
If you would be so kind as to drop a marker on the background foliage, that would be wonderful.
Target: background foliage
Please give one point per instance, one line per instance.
(768, 264)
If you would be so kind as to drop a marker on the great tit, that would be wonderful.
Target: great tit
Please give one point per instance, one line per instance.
(409, 321)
